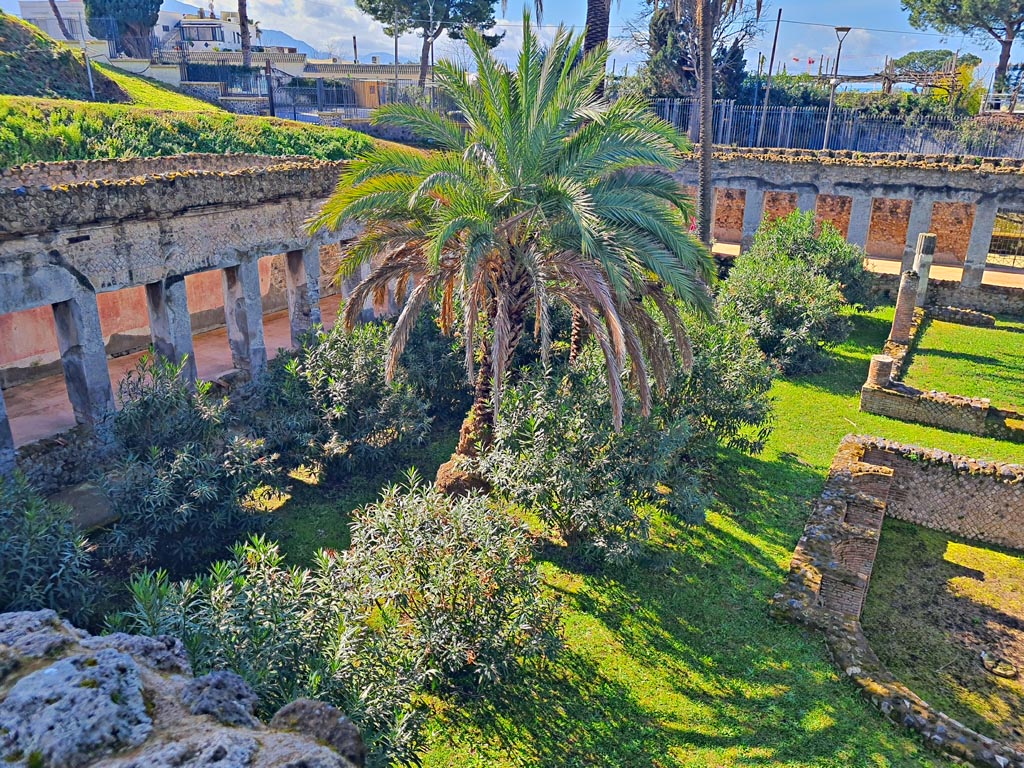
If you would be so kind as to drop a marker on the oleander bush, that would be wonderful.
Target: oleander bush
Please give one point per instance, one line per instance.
(435, 594)
(822, 247)
(555, 451)
(44, 561)
(184, 485)
(793, 312)
(330, 403)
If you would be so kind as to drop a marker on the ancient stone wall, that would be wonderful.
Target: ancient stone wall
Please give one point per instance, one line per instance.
(245, 105)
(832, 564)
(66, 459)
(989, 299)
(81, 171)
(210, 92)
(72, 700)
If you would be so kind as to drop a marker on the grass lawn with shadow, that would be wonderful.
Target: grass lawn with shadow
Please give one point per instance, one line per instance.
(936, 603)
(971, 361)
(675, 661)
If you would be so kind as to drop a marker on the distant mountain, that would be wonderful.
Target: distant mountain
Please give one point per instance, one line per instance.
(269, 36)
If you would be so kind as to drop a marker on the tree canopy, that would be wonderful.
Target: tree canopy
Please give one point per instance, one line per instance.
(131, 20)
(988, 20)
(453, 16)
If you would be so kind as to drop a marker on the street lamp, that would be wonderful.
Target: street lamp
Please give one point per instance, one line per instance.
(841, 33)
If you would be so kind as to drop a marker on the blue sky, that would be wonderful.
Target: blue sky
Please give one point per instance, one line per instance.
(880, 29)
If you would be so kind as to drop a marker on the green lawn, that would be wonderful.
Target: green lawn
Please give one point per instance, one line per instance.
(675, 661)
(969, 361)
(152, 94)
(936, 602)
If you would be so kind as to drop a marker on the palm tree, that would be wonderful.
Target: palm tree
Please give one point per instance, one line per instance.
(243, 33)
(546, 194)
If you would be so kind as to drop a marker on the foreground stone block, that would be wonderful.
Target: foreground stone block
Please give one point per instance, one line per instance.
(71, 700)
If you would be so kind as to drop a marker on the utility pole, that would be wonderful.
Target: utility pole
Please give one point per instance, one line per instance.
(355, 50)
(85, 55)
(394, 29)
(706, 25)
(768, 87)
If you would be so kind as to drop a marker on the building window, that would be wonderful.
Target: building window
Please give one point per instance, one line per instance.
(166, 28)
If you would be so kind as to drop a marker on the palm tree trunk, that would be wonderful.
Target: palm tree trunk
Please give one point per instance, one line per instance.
(706, 25)
(60, 20)
(243, 30)
(456, 476)
(597, 28)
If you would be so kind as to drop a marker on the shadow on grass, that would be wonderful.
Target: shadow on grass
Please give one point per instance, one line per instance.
(925, 626)
(675, 661)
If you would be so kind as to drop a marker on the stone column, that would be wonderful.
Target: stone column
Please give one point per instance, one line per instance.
(920, 221)
(753, 210)
(807, 201)
(170, 324)
(880, 371)
(860, 220)
(243, 314)
(980, 242)
(923, 255)
(906, 303)
(8, 461)
(84, 357)
(302, 282)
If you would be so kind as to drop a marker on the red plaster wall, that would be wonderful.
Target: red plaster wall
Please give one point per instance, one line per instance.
(951, 223)
(778, 205)
(835, 209)
(729, 205)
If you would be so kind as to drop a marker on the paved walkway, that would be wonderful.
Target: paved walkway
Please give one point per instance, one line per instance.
(41, 408)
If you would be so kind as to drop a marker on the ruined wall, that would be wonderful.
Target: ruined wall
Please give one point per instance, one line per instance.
(835, 209)
(890, 219)
(778, 205)
(951, 225)
(728, 223)
(981, 500)
(990, 299)
(831, 568)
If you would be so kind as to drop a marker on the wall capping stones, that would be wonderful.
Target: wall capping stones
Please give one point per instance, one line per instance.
(832, 563)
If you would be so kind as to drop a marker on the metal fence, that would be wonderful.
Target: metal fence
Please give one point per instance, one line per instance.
(804, 128)
(352, 99)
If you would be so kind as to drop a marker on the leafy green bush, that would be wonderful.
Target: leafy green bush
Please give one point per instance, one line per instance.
(726, 397)
(792, 310)
(454, 577)
(822, 248)
(180, 490)
(44, 562)
(434, 592)
(434, 367)
(34, 130)
(330, 401)
(556, 452)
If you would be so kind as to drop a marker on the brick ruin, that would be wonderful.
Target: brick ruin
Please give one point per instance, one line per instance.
(885, 393)
(832, 564)
(881, 202)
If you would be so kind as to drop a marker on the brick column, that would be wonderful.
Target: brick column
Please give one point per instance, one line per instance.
(753, 210)
(880, 371)
(906, 303)
(243, 313)
(980, 242)
(84, 357)
(8, 461)
(302, 282)
(923, 255)
(920, 221)
(170, 324)
(860, 220)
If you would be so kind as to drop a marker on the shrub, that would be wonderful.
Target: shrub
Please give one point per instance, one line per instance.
(822, 248)
(454, 577)
(331, 402)
(180, 490)
(44, 562)
(556, 452)
(726, 397)
(434, 366)
(791, 310)
(434, 592)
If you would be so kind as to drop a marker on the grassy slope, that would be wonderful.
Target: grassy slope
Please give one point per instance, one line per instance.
(974, 362)
(676, 662)
(936, 602)
(33, 129)
(152, 94)
(33, 64)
